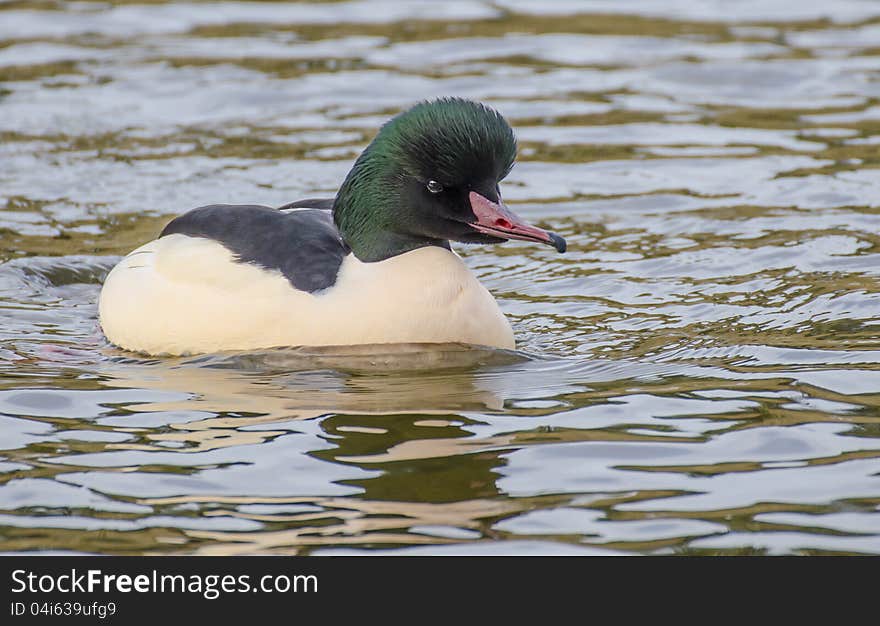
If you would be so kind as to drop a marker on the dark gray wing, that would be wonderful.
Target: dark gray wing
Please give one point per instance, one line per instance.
(304, 245)
(325, 204)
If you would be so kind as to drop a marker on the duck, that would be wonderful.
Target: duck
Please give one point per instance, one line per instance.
(373, 265)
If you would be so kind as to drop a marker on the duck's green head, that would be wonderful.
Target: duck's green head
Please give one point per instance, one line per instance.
(432, 175)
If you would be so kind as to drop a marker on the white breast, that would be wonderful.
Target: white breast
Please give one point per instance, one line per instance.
(185, 295)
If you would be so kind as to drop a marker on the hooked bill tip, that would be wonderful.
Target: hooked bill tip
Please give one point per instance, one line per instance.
(558, 242)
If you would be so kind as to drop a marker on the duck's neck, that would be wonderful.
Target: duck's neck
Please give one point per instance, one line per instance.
(371, 214)
(371, 245)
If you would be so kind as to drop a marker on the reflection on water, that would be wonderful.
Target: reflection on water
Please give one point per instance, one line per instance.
(699, 374)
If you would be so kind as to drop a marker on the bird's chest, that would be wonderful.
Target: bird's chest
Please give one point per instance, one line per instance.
(427, 295)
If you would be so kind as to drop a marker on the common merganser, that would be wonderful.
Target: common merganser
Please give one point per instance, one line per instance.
(371, 266)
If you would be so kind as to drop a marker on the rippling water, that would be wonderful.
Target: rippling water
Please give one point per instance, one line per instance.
(699, 374)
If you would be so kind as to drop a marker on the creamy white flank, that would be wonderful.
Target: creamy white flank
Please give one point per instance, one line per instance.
(186, 295)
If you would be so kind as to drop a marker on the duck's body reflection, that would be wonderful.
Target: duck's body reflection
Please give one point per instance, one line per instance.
(261, 387)
(398, 413)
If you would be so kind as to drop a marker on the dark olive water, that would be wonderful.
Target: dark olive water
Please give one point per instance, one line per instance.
(699, 374)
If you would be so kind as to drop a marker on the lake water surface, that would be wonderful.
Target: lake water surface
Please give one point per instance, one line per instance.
(699, 374)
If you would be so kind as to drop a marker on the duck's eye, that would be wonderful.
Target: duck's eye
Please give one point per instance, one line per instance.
(434, 187)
